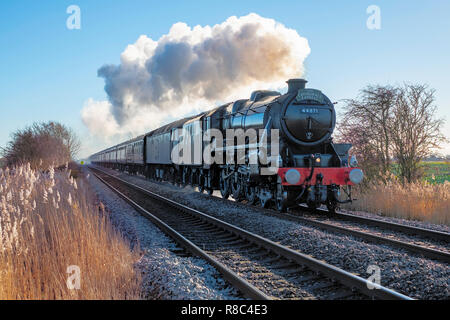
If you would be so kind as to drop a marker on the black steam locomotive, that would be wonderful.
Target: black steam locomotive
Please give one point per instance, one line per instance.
(289, 135)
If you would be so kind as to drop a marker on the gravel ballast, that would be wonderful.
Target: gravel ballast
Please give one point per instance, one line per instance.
(412, 223)
(166, 275)
(400, 270)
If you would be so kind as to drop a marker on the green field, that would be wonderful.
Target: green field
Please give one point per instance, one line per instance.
(436, 171)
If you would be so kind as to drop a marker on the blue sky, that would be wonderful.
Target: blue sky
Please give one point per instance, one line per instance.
(47, 71)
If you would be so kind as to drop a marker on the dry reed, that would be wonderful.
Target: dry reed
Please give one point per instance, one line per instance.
(417, 201)
(48, 222)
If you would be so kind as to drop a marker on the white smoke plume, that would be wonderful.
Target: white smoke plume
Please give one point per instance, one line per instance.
(192, 69)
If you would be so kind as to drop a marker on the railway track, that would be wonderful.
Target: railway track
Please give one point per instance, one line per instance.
(426, 248)
(258, 267)
(431, 234)
(433, 244)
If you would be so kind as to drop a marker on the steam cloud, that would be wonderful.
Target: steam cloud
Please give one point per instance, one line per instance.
(191, 69)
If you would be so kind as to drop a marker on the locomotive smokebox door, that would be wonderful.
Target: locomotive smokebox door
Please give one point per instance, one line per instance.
(308, 118)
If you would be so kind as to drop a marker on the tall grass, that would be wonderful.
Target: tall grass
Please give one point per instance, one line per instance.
(48, 223)
(418, 201)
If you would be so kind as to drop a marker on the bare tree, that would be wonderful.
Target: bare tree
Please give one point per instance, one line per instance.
(61, 132)
(387, 123)
(415, 132)
(42, 145)
(366, 124)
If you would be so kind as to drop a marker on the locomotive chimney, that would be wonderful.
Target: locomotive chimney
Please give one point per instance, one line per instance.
(295, 84)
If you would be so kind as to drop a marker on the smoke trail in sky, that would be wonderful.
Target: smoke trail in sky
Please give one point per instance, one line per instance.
(191, 69)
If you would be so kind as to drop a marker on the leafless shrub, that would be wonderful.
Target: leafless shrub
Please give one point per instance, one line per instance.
(42, 145)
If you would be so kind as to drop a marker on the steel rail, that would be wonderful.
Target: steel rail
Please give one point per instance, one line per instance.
(432, 234)
(410, 230)
(238, 282)
(347, 279)
(393, 226)
(424, 251)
